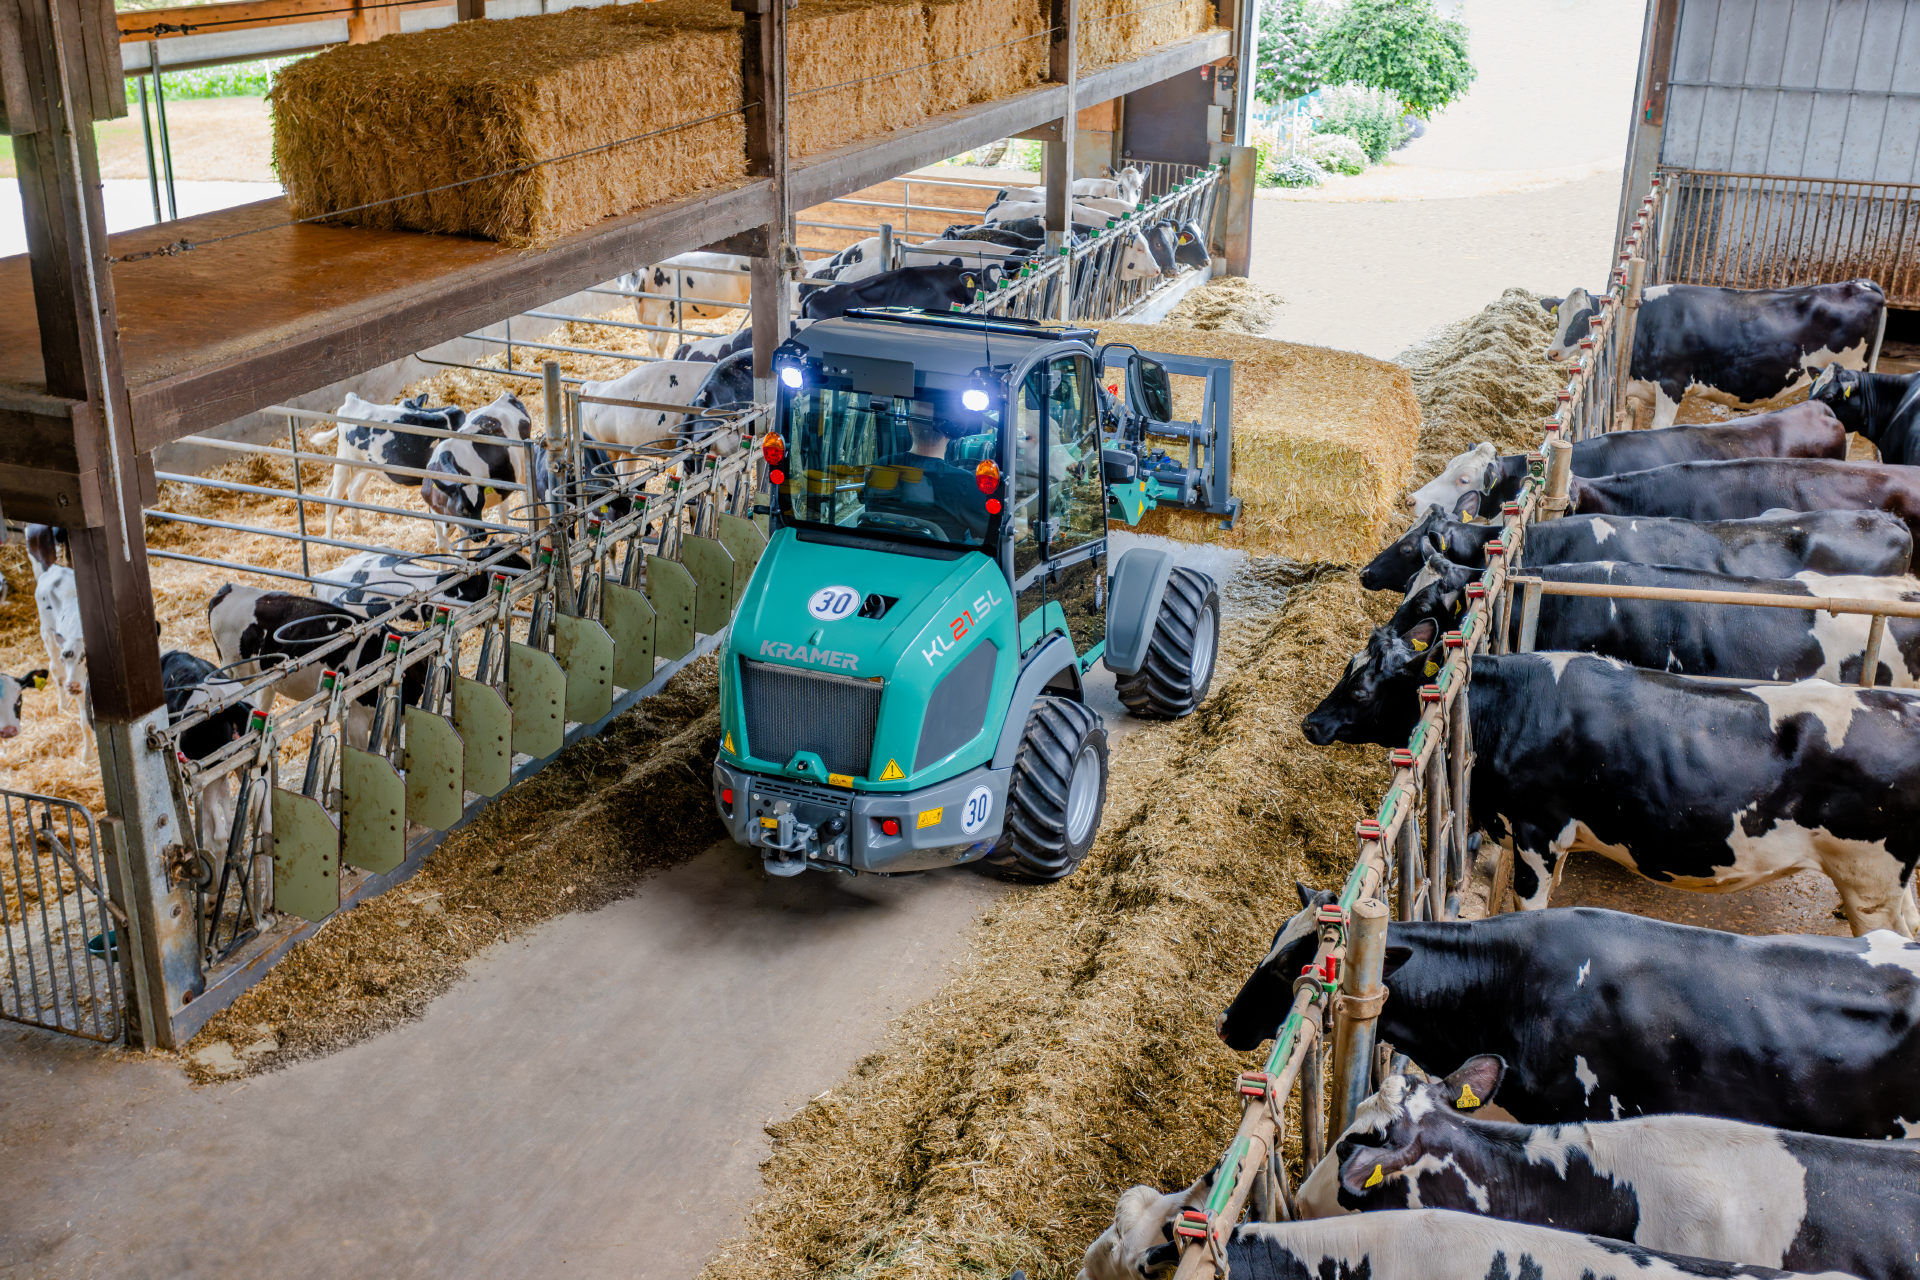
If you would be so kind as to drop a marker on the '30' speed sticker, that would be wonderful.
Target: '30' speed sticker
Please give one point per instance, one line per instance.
(977, 810)
(830, 604)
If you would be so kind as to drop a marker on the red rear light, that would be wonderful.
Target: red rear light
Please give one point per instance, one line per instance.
(772, 448)
(726, 796)
(987, 476)
(777, 477)
(993, 506)
(891, 826)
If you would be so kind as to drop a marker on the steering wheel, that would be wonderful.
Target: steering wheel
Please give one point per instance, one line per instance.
(904, 523)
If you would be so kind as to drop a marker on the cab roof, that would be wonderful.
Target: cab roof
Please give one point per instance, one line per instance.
(951, 343)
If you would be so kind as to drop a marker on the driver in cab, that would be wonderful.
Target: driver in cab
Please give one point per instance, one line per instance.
(921, 488)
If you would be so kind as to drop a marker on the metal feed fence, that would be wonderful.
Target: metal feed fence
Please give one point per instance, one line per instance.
(61, 954)
(1412, 858)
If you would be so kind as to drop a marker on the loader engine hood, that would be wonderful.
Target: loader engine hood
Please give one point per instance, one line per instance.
(867, 669)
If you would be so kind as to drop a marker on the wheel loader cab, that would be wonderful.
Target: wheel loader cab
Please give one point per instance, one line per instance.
(902, 687)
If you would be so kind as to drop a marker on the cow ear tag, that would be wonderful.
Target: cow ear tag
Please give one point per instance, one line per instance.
(1433, 668)
(1376, 1179)
(1467, 1101)
(1419, 646)
(1846, 392)
(39, 682)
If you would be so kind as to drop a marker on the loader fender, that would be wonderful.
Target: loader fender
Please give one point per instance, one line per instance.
(1053, 663)
(1133, 603)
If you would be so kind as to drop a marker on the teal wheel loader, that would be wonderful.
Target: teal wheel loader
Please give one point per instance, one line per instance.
(904, 685)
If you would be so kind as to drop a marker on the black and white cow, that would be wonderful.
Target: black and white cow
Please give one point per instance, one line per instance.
(1883, 407)
(1745, 345)
(965, 253)
(715, 349)
(928, 288)
(192, 684)
(1695, 1185)
(1418, 1244)
(1776, 545)
(1743, 487)
(1699, 639)
(374, 577)
(255, 630)
(857, 261)
(693, 383)
(1601, 1014)
(1030, 234)
(57, 598)
(1803, 430)
(12, 693)
(719, 277)
(43, 547)
(358, 443)
(1707, 787)
(476, 466)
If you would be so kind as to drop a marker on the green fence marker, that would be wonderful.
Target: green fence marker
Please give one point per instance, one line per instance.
(629, 618)
(374, 802)
(485, 723)
(436, 770)
(670, 587)
(537, 692)
(585, 651)
(306, 857)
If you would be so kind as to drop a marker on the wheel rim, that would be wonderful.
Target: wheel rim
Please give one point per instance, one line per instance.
(1201, 660)
(1083, 795)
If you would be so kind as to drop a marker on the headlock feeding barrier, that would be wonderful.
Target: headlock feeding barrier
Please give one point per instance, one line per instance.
(1413, 861)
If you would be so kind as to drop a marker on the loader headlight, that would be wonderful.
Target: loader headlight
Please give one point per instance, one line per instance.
(975, 399)
(791, 376)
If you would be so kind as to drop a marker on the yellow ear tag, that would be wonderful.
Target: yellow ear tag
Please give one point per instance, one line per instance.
(1376, 1179)
(1467, 517)
(1433, 668)
(1467, 1101)
(39, 682)
(1419, 646)
(1846, 392)
(1443, 542)
(1457, 606)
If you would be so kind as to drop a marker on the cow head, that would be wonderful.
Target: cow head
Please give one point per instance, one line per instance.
(1572, 321)
(1132, 181)
(1846, 392)
(1375, 700)
(1160, 239)
(1137, 261)
(1140, 1242)
(1190, 246)
(1397, 563)
(1474, 471)
(13, 691)
(1267, 994)
(1438, 594)
(1404, 1132)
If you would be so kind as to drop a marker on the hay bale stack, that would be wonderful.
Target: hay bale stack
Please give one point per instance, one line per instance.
(1115, 30)
(1320, 474)
(956, 27)
(874, 52)
(362, 123)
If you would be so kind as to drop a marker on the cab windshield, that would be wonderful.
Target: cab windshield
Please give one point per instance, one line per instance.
(891, 466)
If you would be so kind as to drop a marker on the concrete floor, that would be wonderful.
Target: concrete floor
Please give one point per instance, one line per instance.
(589, 1101)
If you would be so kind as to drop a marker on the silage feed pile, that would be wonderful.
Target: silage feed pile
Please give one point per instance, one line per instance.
(1075, 1054)
(1320, 475)
(1484, 378)
(1233, 303)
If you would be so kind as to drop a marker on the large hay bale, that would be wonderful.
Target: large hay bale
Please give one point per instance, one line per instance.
(364, 123)
(1321, 443)
(855, 69)
(1115, 30)
(1010, 36)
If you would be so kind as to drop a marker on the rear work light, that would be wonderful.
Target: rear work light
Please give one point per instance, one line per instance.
(777, 477)
(726, 796)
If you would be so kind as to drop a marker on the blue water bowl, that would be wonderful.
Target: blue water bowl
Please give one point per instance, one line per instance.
(105, 946)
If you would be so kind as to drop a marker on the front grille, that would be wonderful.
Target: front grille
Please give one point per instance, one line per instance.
(789, 710)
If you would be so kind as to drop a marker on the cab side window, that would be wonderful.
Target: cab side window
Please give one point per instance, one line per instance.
(1027, 421)
(1076, 494)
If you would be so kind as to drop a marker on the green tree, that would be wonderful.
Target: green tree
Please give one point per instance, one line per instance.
(1288, 64)
(1401, 45)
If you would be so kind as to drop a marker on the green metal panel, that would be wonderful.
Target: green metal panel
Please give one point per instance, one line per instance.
(746, 541)
(629, 618)
(486, 735)
(436, 767)
(537, 692)
(585, 651)
(713, 569)
(306, 857)
(374, 800)
(670, 588)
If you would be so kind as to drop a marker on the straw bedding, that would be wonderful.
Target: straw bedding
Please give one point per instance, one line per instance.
(1321, 442)
(1076, 1056)
(1233, 303)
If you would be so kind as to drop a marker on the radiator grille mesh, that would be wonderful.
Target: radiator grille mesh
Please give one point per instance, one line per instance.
(789, 710)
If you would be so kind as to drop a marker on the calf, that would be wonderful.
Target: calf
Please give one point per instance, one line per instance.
(1696, 1185)
(965, 253)
(1020, 233)
(696, 384)
(857, 261)
(12, 694)
(1189, 243)
(191, 684)
(43, 547)
(720, 277)
(374, 577)
(1744, 487)
(1776, 545)
(1747, 345)
(1706, 787)
(476, 465)
(58, 601)
(1695, 638)
(1804, 430)
(358, 443)
(927, 288)
(1601, 1014)
(1420, 1244)
(1883, 407)
(255, 630)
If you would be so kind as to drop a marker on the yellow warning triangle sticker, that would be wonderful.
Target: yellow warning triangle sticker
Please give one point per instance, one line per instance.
(727, 742)
(892, 772)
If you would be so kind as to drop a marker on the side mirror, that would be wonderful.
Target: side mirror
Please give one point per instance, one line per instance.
(1153, 389)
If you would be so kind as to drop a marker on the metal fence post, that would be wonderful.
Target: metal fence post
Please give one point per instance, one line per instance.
(1357, 1009)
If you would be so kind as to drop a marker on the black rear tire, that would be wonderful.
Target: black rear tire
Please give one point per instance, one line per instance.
(1051, 822)
(1180, 657)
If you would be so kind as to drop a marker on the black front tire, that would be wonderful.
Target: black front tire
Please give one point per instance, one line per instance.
(1051, 821)
(1180, 657)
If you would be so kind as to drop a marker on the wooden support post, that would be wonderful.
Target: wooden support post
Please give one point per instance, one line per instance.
(371, 19)
(1063, 68)
(763, 83)
(1357, 1009)
(1313, 1119)
(1553, 503)
(469, 10)
(80, 350)
(1629, 315)
(1870, 658)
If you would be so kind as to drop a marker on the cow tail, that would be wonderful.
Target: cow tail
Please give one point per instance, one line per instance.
(326, 437)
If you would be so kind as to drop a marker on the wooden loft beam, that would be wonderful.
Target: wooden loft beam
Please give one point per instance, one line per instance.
(137, 26)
